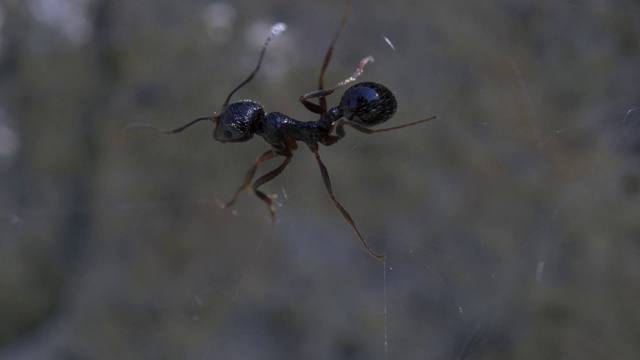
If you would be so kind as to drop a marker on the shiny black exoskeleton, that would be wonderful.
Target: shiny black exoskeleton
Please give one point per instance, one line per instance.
(362, 106)
(365, 104)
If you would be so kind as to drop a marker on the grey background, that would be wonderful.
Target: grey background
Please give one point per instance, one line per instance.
(510, 223)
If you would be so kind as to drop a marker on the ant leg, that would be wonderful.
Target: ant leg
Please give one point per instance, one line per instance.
(247, 179)
(339, 126)
(345, 214)
(329, 54)
(318, 109)
(268, 199)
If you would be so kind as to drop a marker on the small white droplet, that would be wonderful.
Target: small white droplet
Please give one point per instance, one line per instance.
(221, 204)
(9, 142)
(386, 39)
(15, 219)
(278, 28)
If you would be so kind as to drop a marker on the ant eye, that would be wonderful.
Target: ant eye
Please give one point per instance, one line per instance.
(237, 122)
(367, 104)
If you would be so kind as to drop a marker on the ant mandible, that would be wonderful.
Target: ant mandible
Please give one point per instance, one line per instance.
(362, 105)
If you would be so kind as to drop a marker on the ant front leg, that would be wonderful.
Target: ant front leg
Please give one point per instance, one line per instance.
(247, 179)
(345, 213)
(268, 199)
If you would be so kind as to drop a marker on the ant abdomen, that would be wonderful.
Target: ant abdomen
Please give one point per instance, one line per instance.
(236, 122)
(366, 103)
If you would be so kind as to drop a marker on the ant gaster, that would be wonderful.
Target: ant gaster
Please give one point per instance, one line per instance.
(362, 105)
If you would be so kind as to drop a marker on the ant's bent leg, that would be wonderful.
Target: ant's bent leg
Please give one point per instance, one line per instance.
(247, 179)
(319, 109)
(345, 214)
(268, 199)
(329, 54)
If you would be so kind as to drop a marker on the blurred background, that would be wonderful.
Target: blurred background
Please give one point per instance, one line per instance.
(511, 223)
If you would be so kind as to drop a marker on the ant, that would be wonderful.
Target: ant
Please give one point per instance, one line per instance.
(362, 105)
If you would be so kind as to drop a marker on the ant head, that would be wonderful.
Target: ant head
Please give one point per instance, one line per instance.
(236, 122)
(366, 103)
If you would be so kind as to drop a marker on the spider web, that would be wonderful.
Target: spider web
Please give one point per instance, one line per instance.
(510, 222)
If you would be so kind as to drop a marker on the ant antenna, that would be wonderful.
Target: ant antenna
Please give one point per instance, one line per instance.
(275, 31)
(168, 131)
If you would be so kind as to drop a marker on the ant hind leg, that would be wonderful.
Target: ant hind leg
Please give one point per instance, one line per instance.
(339, 126)
(329, 54)
(343, 211)
(318, 109)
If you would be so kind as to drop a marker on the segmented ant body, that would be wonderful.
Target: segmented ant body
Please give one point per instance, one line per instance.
(362, 106)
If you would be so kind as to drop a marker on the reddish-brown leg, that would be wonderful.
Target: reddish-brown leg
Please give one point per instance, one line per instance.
(345, 214)
(329, 54)
(247, 179)
(304, 99)
(268, 199)
(339, 126)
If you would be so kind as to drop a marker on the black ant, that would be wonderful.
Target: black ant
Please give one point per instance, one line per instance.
(362, 105)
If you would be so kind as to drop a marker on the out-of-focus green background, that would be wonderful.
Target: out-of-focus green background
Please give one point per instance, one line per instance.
(512, 223)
